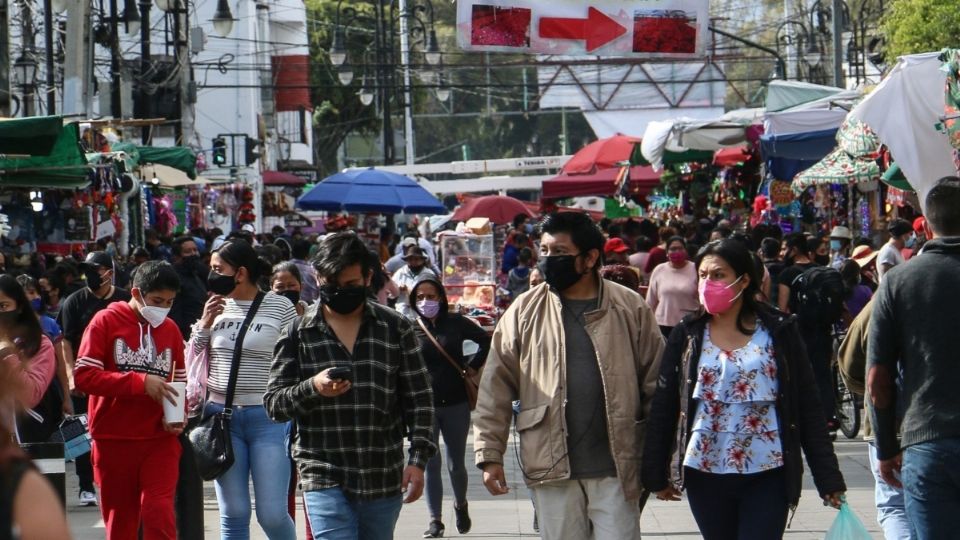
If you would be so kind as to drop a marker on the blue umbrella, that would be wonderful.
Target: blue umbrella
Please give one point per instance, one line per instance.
(370, 190)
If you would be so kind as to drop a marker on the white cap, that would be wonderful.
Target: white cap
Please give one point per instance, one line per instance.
(841, 232)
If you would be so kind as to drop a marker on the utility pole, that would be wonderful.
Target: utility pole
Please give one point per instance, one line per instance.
(837, 20)
(114, 61)
(78, 56)
(145, 68)
(409, 151)
(384, 63)
(48, 44)
(791, 45)
(26, 40)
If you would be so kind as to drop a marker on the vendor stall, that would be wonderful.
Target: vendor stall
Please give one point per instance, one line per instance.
(469, 268)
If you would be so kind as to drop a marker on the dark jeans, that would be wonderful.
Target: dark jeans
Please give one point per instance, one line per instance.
(819, 342)
(738, 506)
(189, 495)
(84, 467)
(931, 487)
(453, 422)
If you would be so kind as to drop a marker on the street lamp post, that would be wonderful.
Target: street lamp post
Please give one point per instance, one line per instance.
(799, 41)
(837, 14)
(25, 69)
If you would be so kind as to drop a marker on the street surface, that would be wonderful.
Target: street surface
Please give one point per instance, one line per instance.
(511, 516)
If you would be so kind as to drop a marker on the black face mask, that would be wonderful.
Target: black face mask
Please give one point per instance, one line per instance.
(822, 260)
(343, 300)
(191, 264)
(8, 318)
(293, 296)
(94, 279)
(559, 271)
(416, 269)
(220, 284)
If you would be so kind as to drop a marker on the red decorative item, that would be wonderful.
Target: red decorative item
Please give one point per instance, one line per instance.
(659, 31)
(500, 26)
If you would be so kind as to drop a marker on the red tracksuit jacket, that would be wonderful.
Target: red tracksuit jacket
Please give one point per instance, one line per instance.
(116, 354)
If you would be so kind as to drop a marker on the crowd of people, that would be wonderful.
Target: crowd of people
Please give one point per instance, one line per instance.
(323, 360)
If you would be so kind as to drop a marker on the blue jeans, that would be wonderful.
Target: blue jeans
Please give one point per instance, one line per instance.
(259, 451)
(931, 485)
(453, 422)
(335, 517)
(891, 509)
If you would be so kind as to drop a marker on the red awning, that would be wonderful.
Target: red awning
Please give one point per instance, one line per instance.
(728, 157)
(643, 180)
(291, 75)
(280, 178)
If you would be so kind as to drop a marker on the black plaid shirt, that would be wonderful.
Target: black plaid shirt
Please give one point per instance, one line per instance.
(354, 441)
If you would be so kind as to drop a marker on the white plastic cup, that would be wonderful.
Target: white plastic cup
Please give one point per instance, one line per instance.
(173, 413)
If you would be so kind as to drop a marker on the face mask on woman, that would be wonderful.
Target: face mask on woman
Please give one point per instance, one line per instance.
(221, 284)
(716, 296)
(429, 308)
(677, 257)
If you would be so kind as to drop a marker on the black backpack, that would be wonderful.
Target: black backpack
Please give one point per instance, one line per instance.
(819, 296)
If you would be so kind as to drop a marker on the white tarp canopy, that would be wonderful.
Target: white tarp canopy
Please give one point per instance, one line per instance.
(803, 121)
(902, 111)
(787, 95)
(683, 134)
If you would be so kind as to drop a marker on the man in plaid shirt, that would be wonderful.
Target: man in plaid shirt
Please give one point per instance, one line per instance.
(351, 426)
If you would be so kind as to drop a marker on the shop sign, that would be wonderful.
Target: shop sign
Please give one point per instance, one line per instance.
(638, 29)
(297, 220)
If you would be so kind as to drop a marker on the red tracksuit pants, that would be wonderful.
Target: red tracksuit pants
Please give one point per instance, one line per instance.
(137, 481)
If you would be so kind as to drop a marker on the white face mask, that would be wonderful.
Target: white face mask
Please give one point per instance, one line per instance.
(154, 315)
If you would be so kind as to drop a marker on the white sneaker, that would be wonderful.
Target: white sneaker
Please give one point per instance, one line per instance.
(88, 498)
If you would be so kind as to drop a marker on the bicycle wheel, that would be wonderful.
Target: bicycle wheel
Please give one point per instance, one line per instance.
(848, 411)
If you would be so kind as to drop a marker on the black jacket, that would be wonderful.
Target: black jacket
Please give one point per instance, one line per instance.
(450, 330)
(188, 305)
(799, 414)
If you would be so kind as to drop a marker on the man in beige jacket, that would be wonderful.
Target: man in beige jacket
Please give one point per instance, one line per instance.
(582, 356)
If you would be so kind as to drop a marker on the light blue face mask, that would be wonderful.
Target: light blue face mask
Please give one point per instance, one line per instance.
(911, 241)
(835, 245)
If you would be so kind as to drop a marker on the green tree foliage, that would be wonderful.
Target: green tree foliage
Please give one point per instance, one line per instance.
(916, 26)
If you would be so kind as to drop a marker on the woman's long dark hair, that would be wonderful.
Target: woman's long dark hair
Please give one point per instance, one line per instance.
(239, 253)
(740, 259)
(25, 327)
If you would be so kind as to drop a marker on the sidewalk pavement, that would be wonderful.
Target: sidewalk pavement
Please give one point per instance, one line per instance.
(511, 516)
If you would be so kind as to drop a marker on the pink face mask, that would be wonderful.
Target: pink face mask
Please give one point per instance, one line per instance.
(717, 296)
(677, 257)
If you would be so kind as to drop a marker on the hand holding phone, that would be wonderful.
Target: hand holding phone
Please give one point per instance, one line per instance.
(343, 373)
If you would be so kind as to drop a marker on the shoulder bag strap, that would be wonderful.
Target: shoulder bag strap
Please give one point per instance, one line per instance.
(458, 367)
(238, 351)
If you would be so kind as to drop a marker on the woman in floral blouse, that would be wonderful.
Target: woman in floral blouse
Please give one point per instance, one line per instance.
(737, 376)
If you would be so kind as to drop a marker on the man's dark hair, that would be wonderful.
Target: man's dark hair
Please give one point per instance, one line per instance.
(155, 276)
(339, 251)
(644, 244)
(799, 242)
(615, 230)
(300, 250)
(583, 232)
(724, 232)
(525, 256)
(179, 242)
(770, 248)
(520, 239)
(943, 207)
(813, 244)
(55, 279)
(519, 220)
(65, 268)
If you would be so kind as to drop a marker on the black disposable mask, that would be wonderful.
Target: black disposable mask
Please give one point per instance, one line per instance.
(94, 279)
(8, 318)
(191, 263)
(559, 271)
(343, 300)
(822, 260)
(293, 296)
(221, 284)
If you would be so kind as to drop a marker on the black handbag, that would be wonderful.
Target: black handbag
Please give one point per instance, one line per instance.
(212, 448)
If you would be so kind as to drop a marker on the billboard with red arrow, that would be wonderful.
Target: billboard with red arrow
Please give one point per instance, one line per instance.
(640, 28)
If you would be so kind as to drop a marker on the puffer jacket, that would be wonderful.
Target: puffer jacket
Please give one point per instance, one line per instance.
(527, 362)
(799, 413)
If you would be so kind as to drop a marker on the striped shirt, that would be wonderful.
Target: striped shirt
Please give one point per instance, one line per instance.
(354, 441)
(274, 314)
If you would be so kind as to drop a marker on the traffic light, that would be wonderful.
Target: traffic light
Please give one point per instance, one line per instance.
(250, 147)
(219, 151)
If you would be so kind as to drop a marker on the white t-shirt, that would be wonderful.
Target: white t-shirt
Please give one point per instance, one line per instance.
(274, 314)
(889, 255)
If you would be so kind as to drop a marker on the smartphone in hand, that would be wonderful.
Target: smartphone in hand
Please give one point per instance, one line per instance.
(342, 373)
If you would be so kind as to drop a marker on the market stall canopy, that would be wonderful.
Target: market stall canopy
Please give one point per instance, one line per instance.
(813, 145)
(177, 157)
(64, 167)
(784, 95)
(496, 208)
(370, 190)
(601, 154)
(33, 136)
(894, 177)
(643, 180)
(169, 177)
(728, 157)
(903, 111)
(804, 121)
(687, 134)
(281, 178)
(838, 167)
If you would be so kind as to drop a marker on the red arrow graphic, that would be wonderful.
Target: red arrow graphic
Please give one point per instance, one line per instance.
(598, 28)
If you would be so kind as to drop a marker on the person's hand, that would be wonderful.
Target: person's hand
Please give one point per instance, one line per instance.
(174, 429)
(67, 406)
(494, 479)
(669, 494)
(834, 499)
(412, 483)
(212, 308)
(158, 389)
(328, 387)
(890, 470)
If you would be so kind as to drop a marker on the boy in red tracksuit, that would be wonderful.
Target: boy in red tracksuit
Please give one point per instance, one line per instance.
(128, 353)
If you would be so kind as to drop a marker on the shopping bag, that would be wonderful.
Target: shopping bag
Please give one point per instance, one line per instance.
(197, 364)
(847, 526)
(74, 435)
